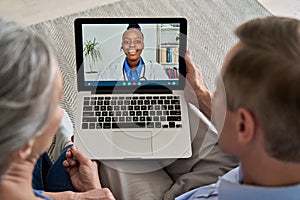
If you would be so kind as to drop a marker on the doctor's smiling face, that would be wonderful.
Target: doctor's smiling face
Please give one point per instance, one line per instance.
(132, 45)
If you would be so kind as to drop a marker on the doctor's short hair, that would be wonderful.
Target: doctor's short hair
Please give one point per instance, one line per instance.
(133, 26)
(264, 77)
(26, 93)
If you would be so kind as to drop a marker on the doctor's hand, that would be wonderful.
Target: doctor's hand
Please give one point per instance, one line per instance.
(82, 170)
(195, 91)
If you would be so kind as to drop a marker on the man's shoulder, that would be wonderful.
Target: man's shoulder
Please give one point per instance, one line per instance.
(211, 191)
(204, 192)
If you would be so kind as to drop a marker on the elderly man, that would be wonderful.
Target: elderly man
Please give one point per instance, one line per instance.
(261, 75)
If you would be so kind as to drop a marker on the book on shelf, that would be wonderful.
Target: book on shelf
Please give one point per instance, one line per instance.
(175, 55)
(163, 55)
(172, 72)
(169, 55)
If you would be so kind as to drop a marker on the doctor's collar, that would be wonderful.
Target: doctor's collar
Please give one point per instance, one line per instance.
(138, 70)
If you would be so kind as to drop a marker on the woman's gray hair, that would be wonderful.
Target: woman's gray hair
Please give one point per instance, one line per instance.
(26, 78)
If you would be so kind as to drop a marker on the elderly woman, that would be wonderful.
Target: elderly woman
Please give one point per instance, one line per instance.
(30, 113)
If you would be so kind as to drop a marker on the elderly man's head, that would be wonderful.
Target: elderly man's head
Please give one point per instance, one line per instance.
(261, 78)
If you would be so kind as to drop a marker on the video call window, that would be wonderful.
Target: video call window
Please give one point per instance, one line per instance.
(110, 51)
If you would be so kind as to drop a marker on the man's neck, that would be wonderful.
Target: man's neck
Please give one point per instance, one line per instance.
(270, 172)
(16, 183)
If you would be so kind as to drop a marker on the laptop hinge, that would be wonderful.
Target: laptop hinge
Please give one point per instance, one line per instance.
(162, 90)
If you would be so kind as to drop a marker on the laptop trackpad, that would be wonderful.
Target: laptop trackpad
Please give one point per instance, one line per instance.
(133, 142)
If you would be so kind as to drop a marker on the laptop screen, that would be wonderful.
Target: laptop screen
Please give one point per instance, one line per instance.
(130, 52)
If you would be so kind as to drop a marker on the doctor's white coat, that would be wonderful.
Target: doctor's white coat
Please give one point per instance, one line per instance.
(151, 71)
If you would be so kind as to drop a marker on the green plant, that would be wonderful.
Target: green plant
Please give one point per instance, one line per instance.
(92, 52)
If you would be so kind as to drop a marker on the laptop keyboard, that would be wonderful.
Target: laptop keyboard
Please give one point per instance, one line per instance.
(131, 112)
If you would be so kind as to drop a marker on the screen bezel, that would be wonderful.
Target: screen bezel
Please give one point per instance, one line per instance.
(128, 89)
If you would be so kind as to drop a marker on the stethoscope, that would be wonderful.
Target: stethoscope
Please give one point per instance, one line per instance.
(140, 78)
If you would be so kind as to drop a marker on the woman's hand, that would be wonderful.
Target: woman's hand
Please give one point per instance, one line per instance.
(82, 170)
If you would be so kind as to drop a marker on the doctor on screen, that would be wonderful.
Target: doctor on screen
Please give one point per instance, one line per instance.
(134, 67)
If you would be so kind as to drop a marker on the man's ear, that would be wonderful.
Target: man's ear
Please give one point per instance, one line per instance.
(246, 126)
(25, 151)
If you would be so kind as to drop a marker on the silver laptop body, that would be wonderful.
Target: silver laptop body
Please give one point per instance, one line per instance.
(121, 119)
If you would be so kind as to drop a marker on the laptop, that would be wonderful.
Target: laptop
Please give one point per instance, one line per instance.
(126, 112)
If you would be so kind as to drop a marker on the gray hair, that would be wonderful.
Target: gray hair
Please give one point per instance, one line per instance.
(26, 79)
(264, 77)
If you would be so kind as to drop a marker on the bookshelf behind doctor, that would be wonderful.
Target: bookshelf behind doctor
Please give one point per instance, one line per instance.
(168, 45)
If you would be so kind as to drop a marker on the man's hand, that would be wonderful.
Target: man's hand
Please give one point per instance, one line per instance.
(83, 171)
(195, 91)
(96, 194)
